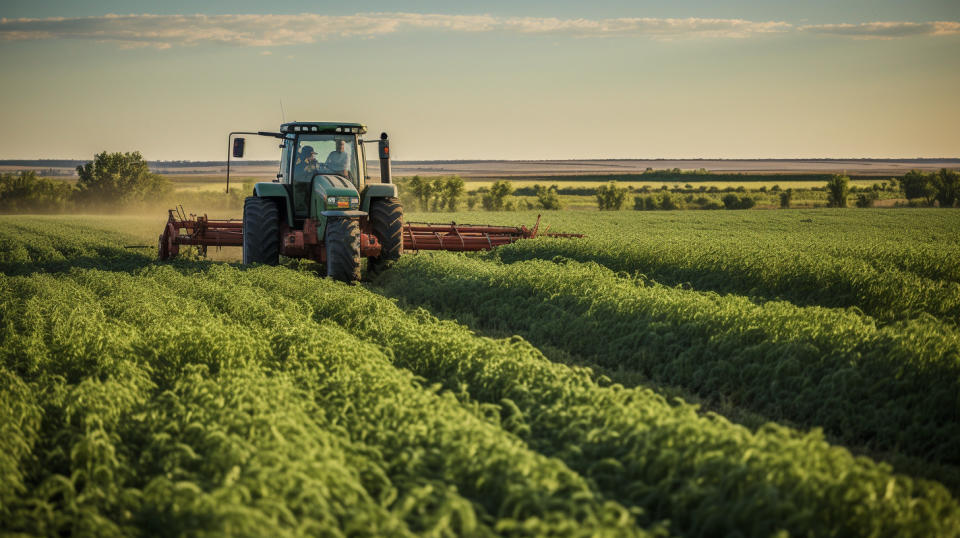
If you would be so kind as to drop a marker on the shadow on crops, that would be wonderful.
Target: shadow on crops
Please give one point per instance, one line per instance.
(106, 259)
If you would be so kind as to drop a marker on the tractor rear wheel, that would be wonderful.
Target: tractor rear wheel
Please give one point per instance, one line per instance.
(386, 221)
(261, 231)
(342, 240)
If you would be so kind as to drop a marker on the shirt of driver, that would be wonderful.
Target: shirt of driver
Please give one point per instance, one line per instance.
(338, 161)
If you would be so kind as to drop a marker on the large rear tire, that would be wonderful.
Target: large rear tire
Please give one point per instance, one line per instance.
(342, 240)
(386, 221)
(261, 231)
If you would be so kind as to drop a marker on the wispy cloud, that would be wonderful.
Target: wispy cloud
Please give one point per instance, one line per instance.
(886, 30)
(165, 31)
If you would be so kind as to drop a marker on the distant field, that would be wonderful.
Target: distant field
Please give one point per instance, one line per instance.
(213, 184)
(548, 168)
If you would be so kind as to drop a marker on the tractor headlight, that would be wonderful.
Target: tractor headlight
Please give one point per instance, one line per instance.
(342, 202)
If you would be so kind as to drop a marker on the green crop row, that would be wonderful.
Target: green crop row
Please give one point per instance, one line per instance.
(200, 398)
(703, 474)
(891, 388)
(770, 271)
(892, 265)
(168, 412)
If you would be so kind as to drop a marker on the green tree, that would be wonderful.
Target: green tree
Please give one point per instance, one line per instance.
(610, 197)
(917, 184)
(495, 198)
(947, 186)
(451, 191)
(422, 190)
(25, 191)
(785, 198)
(436, 200)
(548, 197)
(838, 189)
(119, 177)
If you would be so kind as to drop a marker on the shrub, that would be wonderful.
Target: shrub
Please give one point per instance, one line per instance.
(644, 203)
(451, 190)
(916, 184)
(947, 184)
(732, 201)
(494, 199)
(867, 199)
(611, 197)
(785, 198)
(667, 203)
(838, 188)
(25, 191)
(548, 197)
(422, 190)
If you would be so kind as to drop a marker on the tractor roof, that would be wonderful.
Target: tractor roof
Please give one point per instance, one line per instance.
(322, 127)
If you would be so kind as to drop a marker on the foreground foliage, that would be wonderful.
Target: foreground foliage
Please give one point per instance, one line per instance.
(202, 398)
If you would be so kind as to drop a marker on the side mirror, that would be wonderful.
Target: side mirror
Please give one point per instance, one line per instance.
(384, 146)
(238, 145)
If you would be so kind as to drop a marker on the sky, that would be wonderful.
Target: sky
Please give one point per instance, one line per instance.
(492, 80)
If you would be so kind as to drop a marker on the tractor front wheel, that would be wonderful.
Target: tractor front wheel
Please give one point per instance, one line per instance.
(261, 231)
(386, 221)
(342, 239)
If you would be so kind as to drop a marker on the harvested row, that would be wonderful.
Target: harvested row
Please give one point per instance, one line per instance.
(813, 366)
(704, 474)
(334, 438)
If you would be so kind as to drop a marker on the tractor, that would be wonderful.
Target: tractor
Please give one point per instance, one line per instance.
(322, 206)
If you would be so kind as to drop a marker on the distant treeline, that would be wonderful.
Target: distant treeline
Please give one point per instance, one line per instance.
(42, 165)
(110, 182)
(694, 176)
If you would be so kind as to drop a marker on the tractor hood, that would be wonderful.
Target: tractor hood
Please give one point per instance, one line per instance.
(334, 193)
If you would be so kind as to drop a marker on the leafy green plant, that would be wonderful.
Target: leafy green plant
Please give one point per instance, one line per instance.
(838, 189)
(119, 177)
(610, 197)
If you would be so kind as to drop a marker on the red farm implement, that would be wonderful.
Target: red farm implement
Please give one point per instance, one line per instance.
(200, 231)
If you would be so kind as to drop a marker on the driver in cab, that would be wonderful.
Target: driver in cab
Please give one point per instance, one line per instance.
(339, 160)
(306, 164)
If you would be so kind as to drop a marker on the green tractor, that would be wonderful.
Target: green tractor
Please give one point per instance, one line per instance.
(322, 206)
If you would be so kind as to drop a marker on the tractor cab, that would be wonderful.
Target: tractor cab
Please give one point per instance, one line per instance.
(322, 148)
(328, 153)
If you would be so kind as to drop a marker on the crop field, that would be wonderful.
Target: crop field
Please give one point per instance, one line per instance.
(693, 373)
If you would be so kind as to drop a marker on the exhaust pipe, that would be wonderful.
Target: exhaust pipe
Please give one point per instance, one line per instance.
(384, 145)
